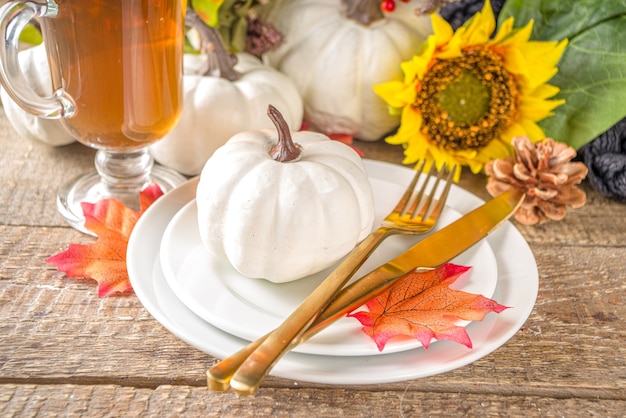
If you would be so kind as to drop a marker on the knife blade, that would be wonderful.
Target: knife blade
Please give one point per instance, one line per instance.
(431, 252)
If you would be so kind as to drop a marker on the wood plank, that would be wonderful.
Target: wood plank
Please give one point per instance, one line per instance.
(167, 400)
(66, 332)
(31, 175)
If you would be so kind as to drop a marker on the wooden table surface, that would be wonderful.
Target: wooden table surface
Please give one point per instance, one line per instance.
(66, 352)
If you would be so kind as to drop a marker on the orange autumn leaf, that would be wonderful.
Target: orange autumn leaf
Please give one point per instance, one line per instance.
(347, 139)
(422, 306)
(105, 260)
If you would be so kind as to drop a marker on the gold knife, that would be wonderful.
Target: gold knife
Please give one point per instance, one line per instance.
(431, 252)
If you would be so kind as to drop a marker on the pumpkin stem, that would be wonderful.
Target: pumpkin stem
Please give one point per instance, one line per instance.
(222, 62)
(285, 150)
(364, 12)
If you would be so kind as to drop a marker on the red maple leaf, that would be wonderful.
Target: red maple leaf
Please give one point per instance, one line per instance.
(422, 306)
(105, 260)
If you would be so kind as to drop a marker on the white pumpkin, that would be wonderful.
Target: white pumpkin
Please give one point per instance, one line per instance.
(35, 67)
(283, 220)
(216, 108)
(335, 61)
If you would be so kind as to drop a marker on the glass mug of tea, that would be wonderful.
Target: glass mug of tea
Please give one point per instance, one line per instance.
(116, 69)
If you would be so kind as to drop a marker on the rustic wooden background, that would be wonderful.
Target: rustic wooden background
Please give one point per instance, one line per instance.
(65, 352)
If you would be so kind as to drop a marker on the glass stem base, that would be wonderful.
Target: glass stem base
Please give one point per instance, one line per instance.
(118, 175)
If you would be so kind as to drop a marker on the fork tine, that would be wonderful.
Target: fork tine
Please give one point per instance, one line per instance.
(435, 206)
(424, 201)
(404, 201)
(420, 195)
(441, 202)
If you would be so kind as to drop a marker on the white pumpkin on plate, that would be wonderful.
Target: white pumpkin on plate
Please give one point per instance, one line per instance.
(281, 211)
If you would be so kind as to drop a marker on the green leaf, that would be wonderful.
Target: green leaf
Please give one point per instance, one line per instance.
(592, 79)
(31, 35)
(208, 10)
(233, 21)
(559, 19)
(592, 71)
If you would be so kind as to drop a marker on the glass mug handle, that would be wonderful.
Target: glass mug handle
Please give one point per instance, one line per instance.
(14, 16)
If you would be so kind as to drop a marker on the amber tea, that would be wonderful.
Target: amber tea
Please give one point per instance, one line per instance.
(120, 61)
(117, 74)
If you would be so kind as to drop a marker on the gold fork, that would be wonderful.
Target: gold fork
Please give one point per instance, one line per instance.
(416, 213)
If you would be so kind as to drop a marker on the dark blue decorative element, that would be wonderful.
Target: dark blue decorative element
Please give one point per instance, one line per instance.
(605, 157)
(457, 12)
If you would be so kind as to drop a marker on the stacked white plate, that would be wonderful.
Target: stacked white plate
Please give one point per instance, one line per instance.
(206, 303)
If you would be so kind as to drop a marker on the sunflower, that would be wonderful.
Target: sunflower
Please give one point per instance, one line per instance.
(468, 94)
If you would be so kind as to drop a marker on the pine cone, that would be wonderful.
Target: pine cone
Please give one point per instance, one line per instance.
(544, 172)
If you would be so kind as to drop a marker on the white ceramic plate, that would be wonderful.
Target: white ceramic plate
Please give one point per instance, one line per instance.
(517, 288)
(249, 308)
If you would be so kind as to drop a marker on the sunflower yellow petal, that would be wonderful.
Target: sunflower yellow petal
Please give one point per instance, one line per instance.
(420, 65)
(533, 131)
(401, 137)
(411, 119)
(452, 49)
(417, 66)
(524, 128)
(409, 69)
(546, 54)
(407, 95)
(536, 109)
(515, 63)
(435, 157)
(436, 154)
(545, 91)
(393, 93)
(496, 149)
(416, 149)
(450, 161)
(420, 145)
(441, 29)
(465, 157)
(516, 129)
(542, 58)
(394, 140)
(475, 166)
(518, 37)
(503, 32)
(457, 173)
(468, 158)
(480, 27)
(410, 124)
(539, 75)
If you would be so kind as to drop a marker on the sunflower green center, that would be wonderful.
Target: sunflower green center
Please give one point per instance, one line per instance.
(468, 101)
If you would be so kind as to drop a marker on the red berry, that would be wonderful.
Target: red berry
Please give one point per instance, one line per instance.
(388, 5)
